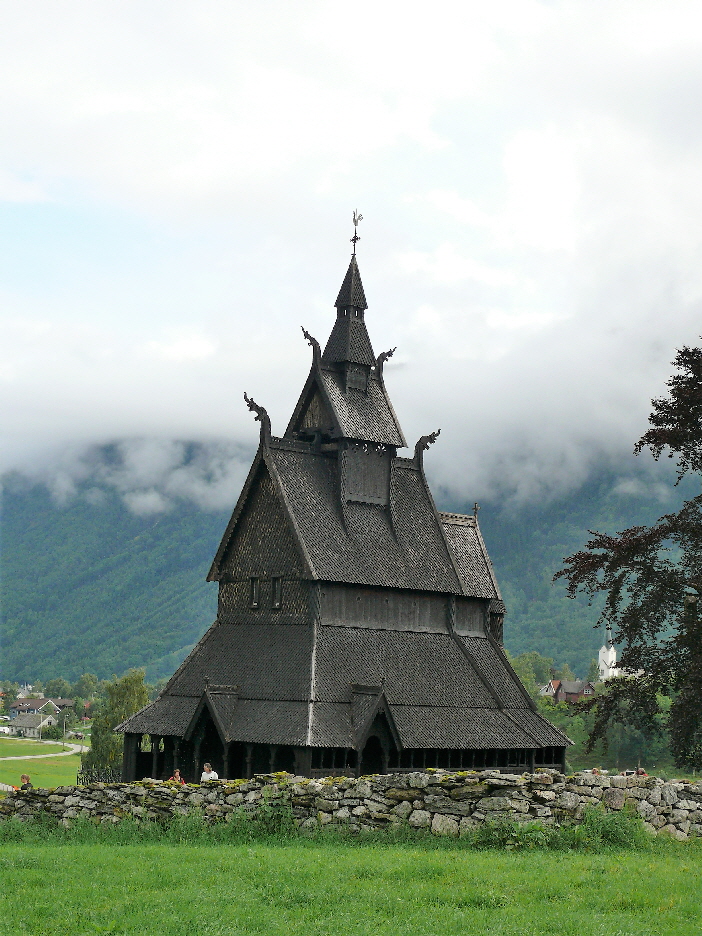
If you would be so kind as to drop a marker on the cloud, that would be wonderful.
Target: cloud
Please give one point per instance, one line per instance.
(151, 476)
(177, 184)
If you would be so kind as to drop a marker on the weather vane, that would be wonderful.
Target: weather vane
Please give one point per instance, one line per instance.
(354, 240)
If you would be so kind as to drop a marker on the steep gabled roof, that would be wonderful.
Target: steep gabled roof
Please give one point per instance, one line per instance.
(367, 417)
(352, 414)
(365, 544)
(474, 565)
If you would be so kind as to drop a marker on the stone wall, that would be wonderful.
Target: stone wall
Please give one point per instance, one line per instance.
(446, 803)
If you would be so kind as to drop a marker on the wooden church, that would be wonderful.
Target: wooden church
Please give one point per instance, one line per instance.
(359, 630)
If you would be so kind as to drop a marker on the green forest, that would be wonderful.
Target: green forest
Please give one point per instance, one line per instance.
(88, 586)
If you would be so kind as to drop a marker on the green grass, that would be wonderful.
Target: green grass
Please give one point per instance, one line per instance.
(16, 747)
(326, 887)
(47, 772)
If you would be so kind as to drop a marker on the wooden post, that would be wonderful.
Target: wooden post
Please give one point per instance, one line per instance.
(271, 760)
(225, 760)
(532, 760)
(303, 761)
(176, 753)
(249, 758)
(129, 758)
(155, 741)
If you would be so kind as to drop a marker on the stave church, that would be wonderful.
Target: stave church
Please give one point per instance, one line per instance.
(359, 629)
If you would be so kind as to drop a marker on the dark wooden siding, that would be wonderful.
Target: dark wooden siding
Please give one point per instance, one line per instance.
(384, 609)
(366, 474)
(263, 547)
(470, 616)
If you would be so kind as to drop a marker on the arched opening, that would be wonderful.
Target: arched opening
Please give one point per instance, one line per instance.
(373, 756)
(207, 747)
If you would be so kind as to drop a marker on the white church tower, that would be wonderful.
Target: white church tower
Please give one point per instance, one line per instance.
(607, 659)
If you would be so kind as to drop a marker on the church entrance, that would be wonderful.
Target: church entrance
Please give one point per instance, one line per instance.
(207, 747)
(373, 757)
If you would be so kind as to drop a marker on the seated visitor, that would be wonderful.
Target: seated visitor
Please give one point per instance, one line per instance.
(26, 783)
(176, 778)
(208, 774)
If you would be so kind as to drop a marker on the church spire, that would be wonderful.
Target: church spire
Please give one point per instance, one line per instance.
(349, 346)
(351, 294)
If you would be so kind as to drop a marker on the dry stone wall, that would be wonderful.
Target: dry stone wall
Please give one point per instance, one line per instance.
(443, 802)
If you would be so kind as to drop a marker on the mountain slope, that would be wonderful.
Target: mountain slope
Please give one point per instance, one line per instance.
(88, 586)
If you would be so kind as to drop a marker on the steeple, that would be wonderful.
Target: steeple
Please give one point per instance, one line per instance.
(349, 347)
(351, 293)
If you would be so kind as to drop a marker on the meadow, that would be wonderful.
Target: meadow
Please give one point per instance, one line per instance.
(330, 887)
(46, 772)
(18, 747)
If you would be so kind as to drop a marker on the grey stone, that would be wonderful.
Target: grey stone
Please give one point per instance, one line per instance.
(496, 803)
(614, 797)
(619, 782)
(444, 825)
(403, 810)
(676, 833)
(327, 805)
(668, 794)
(418, 780)
(420, 819)
(646, 810)
(568, 801)
(541, 812)
(520, 805)
(686, 804)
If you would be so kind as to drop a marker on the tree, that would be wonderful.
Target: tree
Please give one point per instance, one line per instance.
(9, 692)
(123, 697)
(534, 670)
(58, 689)
(651, 580)
(593, 671)
(86, 687)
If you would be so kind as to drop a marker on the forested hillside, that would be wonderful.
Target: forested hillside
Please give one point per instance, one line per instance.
(91, 587)
(88, 586)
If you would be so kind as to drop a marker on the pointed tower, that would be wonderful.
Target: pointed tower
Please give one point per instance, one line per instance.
(358, 630)
(607, 658)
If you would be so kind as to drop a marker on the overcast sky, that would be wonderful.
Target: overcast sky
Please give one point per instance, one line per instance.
(176, 187)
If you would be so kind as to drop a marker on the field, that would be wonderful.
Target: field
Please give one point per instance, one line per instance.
(17, 747)
(47, 772)
(309, 887)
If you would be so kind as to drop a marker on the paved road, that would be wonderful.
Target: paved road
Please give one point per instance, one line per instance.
(73, 749)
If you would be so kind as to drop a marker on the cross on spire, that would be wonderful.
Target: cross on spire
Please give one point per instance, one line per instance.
(354, 240)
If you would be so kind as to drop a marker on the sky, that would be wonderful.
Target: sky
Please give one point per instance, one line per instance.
(177, 182)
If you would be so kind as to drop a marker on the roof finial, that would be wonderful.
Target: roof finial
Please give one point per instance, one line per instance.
(354, 240)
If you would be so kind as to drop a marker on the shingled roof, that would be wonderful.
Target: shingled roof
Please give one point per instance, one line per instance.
(402, 546)
(269, 668)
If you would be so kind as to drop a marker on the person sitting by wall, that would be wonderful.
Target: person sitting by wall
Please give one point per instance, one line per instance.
(208, 774)
(176, 778)
(26, 782)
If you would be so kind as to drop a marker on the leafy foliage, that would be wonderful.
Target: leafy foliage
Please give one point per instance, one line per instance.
(123, 697)
(651, 580)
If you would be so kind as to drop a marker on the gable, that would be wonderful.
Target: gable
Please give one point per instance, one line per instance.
(315, 415)
(262, 542)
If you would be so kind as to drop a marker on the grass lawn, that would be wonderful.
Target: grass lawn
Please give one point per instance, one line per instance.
(309, 887)
(47, 772)
(16, 747)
